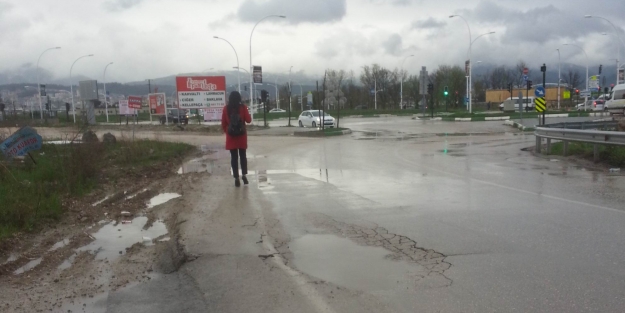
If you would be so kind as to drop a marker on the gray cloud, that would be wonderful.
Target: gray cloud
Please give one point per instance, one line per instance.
(313, 11)
(537, 25)
(430, 23)
(395, 2)
(120, 5)
(393, 45)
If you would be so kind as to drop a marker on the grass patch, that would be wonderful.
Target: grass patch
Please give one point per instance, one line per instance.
(612, 155)
(33, 194)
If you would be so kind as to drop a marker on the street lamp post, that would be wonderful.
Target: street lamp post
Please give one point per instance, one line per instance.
(471, 70)
(618, 55)
(290, 102)
(469, 59)
(237, 55)
(586, 87)
(617, 36)
(401, 88)
(558, 78)
(251, 69)
(106, 103)
(39, 85)
(71, 85)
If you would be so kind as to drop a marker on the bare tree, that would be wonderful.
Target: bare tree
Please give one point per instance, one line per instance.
(572, 78)
(520, 66)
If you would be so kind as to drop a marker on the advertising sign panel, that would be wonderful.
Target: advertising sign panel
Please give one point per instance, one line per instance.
(21, 142)
(621, 76)
(201, 92)
(88, 89)
(124, 109)
(134, 102)
(213, 113)
(157, 103)
(258, 75)
(593, 84)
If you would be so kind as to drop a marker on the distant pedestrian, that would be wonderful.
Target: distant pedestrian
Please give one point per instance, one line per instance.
(488, 106)
(233, 120)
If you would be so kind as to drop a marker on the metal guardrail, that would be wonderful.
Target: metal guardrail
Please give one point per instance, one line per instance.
(596, 137)
(584, 125)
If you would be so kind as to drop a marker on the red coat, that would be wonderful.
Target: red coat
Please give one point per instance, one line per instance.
(238, 142)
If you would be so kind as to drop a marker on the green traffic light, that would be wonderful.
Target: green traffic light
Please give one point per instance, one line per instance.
(446, 93)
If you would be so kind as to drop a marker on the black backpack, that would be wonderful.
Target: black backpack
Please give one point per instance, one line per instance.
(236, 127)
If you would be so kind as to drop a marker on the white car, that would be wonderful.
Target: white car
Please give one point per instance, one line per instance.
(616, 104)
(277, 111)
(311, 118)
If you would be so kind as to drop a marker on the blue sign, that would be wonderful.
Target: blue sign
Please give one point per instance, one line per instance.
(525, 78)
(21, 142)
(539, 92)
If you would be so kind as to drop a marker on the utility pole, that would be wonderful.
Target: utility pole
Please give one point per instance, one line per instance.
(544, 70)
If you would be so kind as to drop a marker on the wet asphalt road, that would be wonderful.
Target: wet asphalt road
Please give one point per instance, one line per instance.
(449, 217)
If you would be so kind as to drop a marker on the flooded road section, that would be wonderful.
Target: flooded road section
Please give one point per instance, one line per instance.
(436, 221)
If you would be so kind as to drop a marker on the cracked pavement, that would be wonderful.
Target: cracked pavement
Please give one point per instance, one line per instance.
(400, 216)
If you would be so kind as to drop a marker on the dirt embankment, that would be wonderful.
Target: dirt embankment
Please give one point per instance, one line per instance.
(123, 233)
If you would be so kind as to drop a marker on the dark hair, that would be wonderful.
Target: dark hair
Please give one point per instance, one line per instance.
(234, 102)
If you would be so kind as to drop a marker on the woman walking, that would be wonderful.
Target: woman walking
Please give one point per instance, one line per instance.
(233, 120)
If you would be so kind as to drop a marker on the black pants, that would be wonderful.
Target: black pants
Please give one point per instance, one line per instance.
(234, 162)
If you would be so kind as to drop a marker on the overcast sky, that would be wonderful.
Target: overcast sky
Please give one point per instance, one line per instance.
(155, 38)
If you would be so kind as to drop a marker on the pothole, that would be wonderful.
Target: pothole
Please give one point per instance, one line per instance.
(111, 241)
(162, 198)
(200, 165)
(28, 266)
(345, 263)
(59, 245)
(419, 265)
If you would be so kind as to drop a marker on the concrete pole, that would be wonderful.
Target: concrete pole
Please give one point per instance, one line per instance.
(106, 103)
(71, 85)
(39, 85)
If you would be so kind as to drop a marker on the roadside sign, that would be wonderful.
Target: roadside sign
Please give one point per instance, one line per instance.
(134, 102)
(539, 91)
(593, 83)
(21, 142)
(157, 103)
(540, 104)
(525, 78)
(525, 71)
(213, 114)
(200, 92)
(258, 74)
(566, 94)
(124, 109)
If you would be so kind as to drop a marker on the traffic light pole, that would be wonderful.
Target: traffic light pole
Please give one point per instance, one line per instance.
(544, 70)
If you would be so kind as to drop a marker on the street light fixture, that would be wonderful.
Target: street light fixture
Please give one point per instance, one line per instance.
(251, 69)
(106, 103)
(39, 85)
(401, 88)
(71, 85)
(471, 70)
(237, 55)
(587, 61)
(559, 78)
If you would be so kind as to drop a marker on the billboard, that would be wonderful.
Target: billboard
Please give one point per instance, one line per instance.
(157, 103)
(88, 89)
(201, 92)
(134, 102)
(258, 74)
(124, 109)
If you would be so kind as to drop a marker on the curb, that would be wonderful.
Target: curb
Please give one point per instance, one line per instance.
(318, 134)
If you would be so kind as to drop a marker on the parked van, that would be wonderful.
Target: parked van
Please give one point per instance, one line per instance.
(511, 104)
(616, 104)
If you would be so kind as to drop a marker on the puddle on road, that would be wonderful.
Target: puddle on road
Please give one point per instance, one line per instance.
(112, 239)
(162, 198)
(97, 304)
(345, 263)
(100, 202)
(29, 266)
(199, 165)
(12, 258)
(59, 244)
